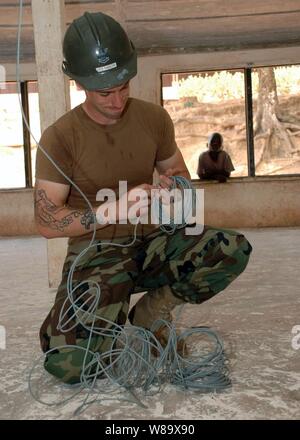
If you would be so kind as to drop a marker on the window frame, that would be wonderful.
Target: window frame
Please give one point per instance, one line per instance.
(26, 138)
(248, 119)
(248, 113)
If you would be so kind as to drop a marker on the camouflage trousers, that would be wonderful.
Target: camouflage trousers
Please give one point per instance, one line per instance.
(196, 267)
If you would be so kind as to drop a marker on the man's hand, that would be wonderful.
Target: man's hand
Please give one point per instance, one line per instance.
(140, 195)
(164, 179)
(174, 172)
(130, 206)
(165, 185)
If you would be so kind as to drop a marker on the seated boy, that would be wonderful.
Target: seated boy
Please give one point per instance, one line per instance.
(215, 164)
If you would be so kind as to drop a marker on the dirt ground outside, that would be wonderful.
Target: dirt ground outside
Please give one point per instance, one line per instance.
(194, 121)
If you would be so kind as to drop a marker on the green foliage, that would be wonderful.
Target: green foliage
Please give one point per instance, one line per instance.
(226, 85)
(287, 80)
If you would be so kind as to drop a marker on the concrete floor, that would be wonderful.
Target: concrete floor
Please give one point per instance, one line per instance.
(254, 317)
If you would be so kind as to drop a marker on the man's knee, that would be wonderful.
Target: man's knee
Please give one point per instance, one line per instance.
(244, 249)
(233, 243)
(65, 365)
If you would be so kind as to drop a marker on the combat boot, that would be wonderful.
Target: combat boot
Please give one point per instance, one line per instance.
(155, 305)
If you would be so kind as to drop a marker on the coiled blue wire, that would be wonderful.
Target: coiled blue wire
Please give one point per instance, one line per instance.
(130, 363)
(183, 206)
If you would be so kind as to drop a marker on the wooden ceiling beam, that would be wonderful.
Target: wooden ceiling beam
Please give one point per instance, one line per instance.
(173, 26)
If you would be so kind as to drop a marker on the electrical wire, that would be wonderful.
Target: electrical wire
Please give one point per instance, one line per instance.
(129, 363)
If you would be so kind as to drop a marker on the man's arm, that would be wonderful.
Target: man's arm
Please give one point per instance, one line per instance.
(53, 217)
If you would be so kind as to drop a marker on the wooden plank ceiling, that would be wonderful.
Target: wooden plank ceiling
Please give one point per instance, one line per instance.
(172, 26)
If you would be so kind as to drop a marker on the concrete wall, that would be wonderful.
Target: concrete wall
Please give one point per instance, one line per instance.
(239, 203)
(252, 202)
(16, 212)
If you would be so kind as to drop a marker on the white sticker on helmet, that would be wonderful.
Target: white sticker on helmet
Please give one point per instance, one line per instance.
(108, 67)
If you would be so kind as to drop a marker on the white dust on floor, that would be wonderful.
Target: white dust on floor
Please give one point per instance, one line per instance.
(254, 318)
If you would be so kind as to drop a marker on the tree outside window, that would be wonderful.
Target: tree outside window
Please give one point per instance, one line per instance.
(277, 120)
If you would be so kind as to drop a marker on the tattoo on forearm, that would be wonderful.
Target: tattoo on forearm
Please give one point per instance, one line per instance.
(87, 219)
(46, 213)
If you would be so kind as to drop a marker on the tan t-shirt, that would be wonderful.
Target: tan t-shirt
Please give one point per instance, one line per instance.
(96, 156)
(207, 164)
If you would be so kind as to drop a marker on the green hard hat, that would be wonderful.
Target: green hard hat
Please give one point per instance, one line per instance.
(98, 53)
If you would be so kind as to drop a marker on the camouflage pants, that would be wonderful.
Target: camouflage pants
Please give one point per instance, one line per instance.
(196, 267)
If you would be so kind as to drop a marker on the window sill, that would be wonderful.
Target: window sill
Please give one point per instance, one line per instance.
(246, 179)
(15, 190)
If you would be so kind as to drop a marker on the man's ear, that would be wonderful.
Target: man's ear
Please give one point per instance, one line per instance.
(78, 86)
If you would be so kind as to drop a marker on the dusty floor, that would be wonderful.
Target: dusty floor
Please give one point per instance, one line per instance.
(254, 317)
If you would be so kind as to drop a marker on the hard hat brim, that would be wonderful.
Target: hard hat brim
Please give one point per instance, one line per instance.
(108, 78)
